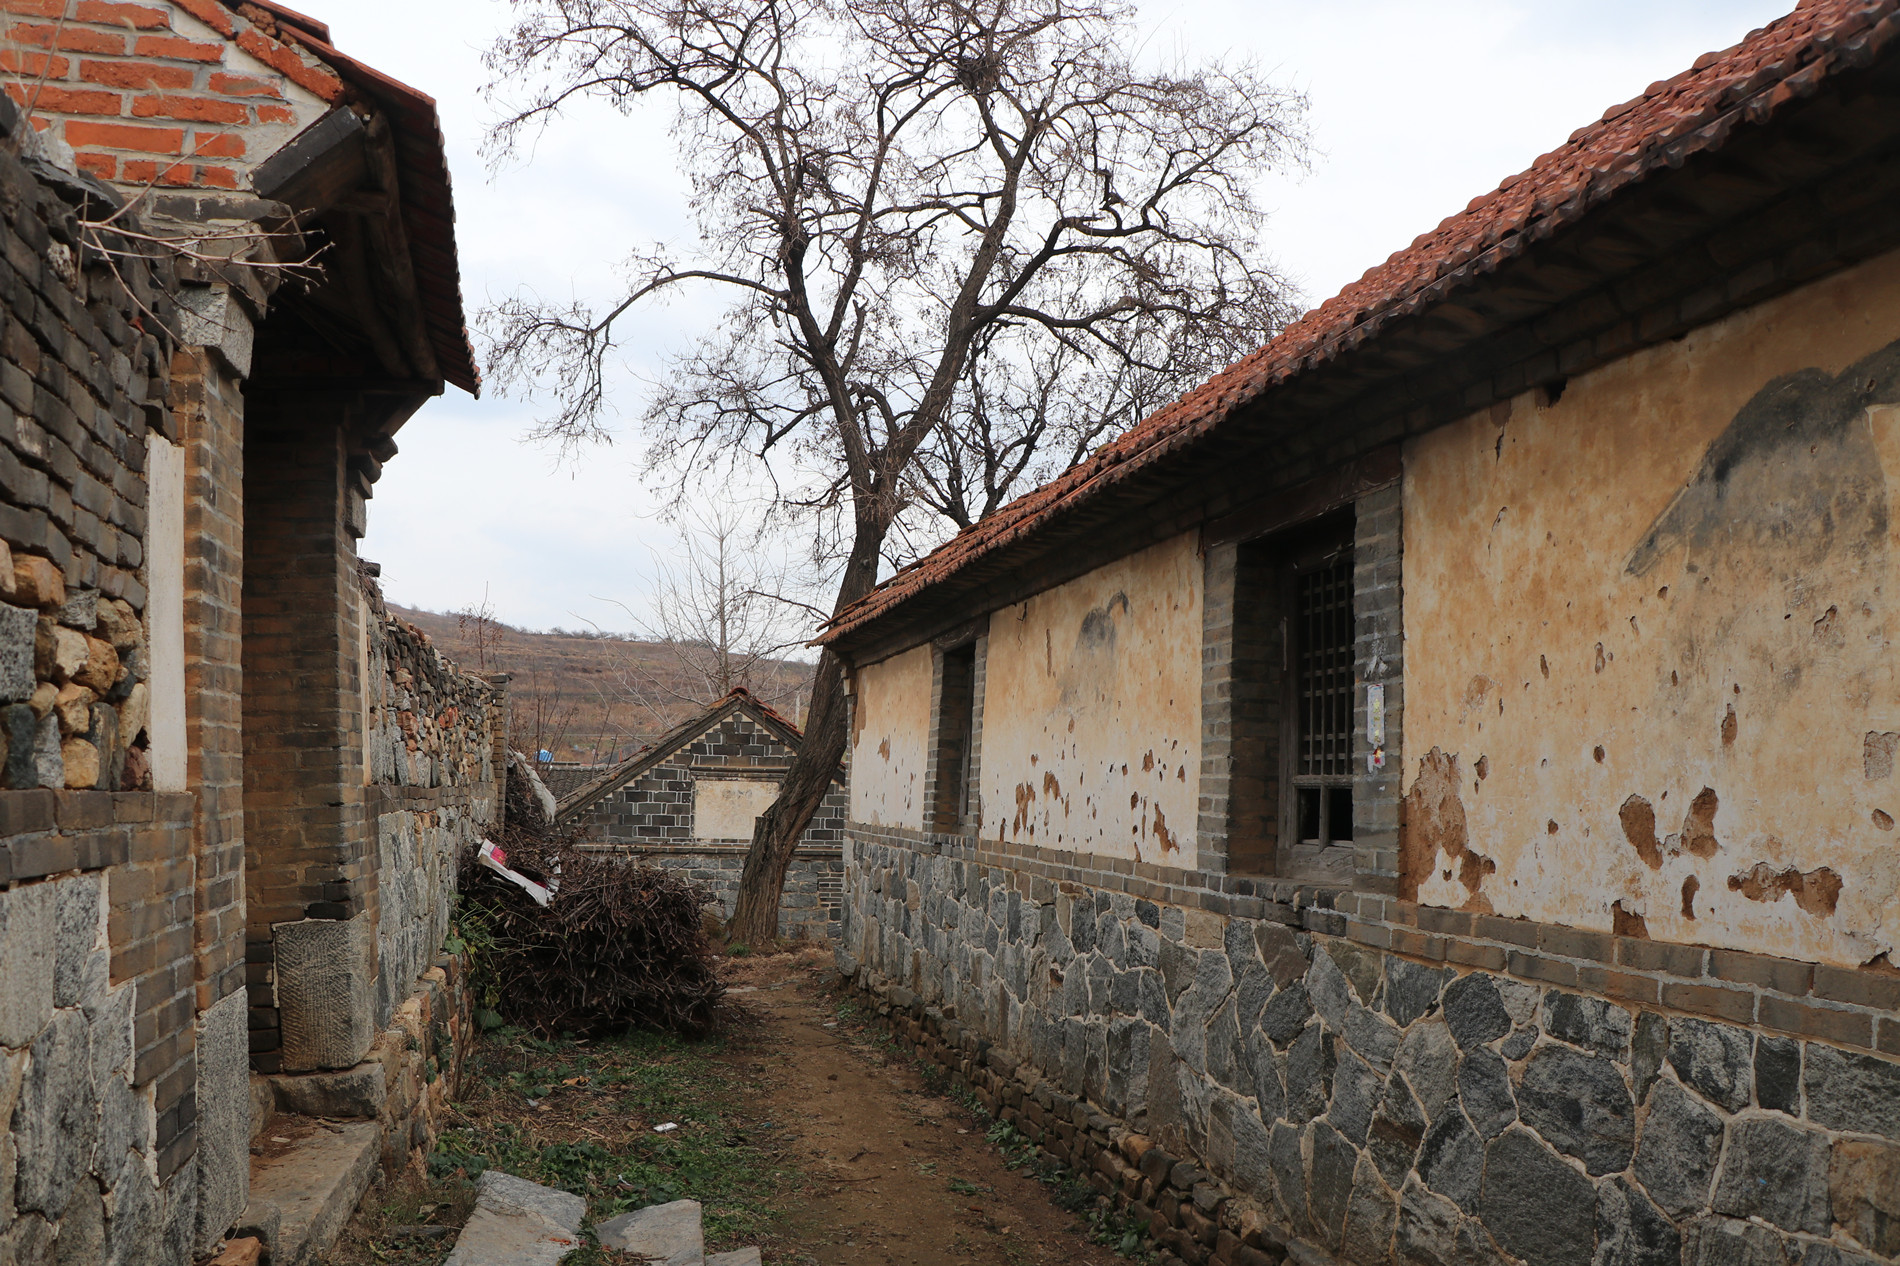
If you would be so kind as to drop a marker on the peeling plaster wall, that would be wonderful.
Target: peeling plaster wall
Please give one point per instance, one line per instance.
(1091, 712)
(890, 734)
(1650, 633)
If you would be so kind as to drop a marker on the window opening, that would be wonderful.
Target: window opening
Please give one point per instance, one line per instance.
(955, 725)
(1323, 639)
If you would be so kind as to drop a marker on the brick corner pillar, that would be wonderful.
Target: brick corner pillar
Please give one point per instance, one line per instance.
(207, 382)
(309, 847)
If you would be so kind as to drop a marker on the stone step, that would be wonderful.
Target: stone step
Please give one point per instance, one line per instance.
(310, 1191)
(737, 1257)
(669, 1234)
(518, 1223)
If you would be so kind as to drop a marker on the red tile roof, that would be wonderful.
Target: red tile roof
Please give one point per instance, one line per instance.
(428, 198)
(1694, 112)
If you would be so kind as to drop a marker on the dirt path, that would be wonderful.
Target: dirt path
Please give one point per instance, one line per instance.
(801, 1129)
(895, 1174)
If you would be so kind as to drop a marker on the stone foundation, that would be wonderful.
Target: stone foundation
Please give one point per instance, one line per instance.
(1452, 1105)
(407, 1080)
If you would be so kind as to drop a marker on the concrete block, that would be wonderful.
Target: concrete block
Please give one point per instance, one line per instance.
(211, 318)
(669, 1234)
(109, 1018)
(326, 984)
(519, 1223)
(56, 1122)
(80, 962)
(133, 1234)
(20, 740)
(80, 610)
(355, 1092)
(49, 762)
(180, 1217)
(29, 923)
(310, 1191)
(18, 631)
(224, 1118)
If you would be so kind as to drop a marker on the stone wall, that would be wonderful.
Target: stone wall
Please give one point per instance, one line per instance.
(1394, 1083)
(118, 996)
(431, 793)
(813, 904)
(431, 754)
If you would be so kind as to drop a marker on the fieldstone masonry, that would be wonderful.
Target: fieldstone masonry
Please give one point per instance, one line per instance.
(1248, 1083)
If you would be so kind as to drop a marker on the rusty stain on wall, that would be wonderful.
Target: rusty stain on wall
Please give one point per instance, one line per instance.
(1639, 828)
(1433, 835)
(1877, 756)
(1737, 562)
(1095, 685)
(1627, 922)
(1816, 891)
(892, 719)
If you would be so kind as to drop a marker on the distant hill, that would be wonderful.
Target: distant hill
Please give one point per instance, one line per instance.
(589, 697)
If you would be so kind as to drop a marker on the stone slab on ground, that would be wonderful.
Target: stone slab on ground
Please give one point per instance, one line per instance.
(671, 1234)
(518, 1223)
(737, 1257)
(314, 1187)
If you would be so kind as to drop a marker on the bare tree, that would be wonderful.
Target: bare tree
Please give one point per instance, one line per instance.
(719, 617)
(894, 193)
(480, 632)
(540, 713)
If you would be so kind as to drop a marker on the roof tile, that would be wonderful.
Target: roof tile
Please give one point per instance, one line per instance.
(1691, 112)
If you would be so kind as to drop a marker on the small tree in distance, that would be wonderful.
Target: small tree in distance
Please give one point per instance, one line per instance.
(720, 619)
(916, 208)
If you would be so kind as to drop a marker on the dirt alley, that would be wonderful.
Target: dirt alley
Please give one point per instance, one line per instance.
(895, 1173)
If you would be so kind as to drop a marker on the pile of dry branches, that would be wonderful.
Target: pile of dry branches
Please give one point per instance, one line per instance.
(618, 946)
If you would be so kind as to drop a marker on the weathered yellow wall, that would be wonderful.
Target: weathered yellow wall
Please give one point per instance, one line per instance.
(1092, 711)
(889, 740)
(1679, 577)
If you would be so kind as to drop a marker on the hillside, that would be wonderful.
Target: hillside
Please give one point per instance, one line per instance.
(591, 698)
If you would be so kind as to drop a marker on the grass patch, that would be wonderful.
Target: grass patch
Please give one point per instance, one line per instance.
(579, 1116)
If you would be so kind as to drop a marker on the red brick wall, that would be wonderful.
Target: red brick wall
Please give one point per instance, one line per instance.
(179, 94)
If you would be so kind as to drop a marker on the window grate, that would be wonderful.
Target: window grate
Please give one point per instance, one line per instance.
(1325, 670)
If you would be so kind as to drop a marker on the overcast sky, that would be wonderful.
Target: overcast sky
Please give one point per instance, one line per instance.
(1417, 107)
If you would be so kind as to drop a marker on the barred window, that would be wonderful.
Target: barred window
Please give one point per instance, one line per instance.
(1323, 646)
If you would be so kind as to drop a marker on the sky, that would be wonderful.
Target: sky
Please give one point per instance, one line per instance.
(1417, 106)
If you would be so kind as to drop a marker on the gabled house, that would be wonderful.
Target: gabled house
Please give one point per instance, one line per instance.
(233, 788)
(687, 801)
(1431, 773)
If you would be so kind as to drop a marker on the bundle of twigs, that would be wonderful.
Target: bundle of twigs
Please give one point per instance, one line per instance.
(619, 946)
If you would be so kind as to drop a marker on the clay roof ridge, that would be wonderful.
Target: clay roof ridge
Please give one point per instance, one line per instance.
(417, 119)
(592, 792)
(1694, 110)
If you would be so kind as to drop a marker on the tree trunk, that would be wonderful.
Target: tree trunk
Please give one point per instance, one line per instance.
(776, 834)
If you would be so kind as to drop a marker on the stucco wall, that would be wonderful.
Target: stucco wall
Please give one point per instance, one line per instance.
(1091, 711)
(726, 808)
(1649, 629)
(890, 731)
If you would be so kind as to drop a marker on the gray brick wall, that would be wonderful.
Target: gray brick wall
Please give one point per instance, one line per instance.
(813, 904)
(1378, 659)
